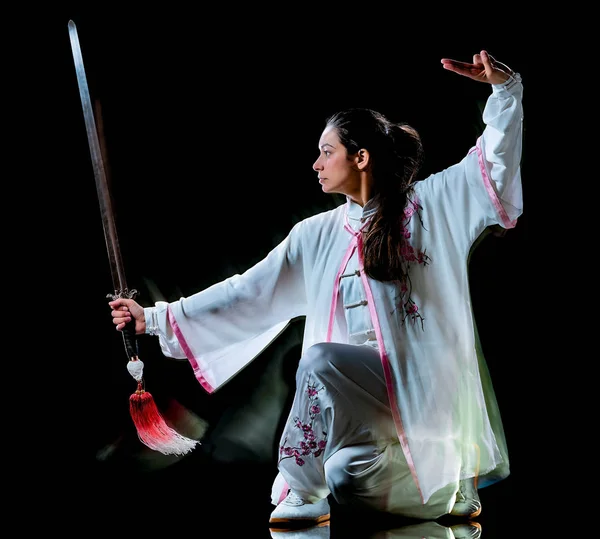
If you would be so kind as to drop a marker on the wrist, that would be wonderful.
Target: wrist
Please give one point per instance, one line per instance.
(512, 80)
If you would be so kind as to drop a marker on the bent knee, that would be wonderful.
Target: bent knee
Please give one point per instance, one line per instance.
(318, 358)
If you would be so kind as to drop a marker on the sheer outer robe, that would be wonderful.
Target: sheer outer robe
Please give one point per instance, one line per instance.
(443, 402)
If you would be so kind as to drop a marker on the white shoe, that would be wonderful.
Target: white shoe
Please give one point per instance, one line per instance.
(294, 509)
(320, 531)
(469, 530)
(467, 502)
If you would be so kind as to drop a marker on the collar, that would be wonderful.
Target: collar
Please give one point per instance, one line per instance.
(358, 214)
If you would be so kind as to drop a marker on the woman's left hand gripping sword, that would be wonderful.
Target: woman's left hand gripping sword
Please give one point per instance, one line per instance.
(152, 429)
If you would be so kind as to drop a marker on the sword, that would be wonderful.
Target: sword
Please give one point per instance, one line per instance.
(106, 210)
(151, 427)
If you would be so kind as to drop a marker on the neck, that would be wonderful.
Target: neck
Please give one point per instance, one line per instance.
(365, 191)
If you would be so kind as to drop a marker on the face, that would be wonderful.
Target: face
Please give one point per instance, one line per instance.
(337, 172)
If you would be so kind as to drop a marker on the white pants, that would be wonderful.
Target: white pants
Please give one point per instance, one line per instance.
(340, 437)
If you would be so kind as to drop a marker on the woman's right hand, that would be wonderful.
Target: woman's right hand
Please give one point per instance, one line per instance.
(124, 310)
(485, 68)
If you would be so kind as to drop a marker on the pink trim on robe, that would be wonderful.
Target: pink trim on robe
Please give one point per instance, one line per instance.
(188, 352)
(284, 492)
(506, 222)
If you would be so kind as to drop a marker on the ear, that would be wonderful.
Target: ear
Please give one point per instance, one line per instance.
(362, 159)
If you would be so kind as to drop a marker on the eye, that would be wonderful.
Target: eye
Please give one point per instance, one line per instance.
(327, 152)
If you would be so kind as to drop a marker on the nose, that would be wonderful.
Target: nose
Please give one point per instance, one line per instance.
(317, 165)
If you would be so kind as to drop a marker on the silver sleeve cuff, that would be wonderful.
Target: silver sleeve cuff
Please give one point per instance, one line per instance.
(151, 321)
(512, 80)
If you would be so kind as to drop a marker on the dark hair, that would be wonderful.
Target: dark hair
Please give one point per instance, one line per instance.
(396, 156)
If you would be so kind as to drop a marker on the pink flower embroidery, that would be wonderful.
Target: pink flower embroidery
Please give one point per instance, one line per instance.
(309, 445)
(409, 254)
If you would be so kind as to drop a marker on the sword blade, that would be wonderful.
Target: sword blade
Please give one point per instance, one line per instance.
(106, 210)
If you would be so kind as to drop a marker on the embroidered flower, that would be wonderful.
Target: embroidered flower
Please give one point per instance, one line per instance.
(309, 445)
(404, 301)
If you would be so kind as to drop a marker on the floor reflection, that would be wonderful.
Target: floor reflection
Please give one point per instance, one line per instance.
(201, 490)
(427, 530)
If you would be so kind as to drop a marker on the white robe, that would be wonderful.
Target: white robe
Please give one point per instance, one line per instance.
(441, 395)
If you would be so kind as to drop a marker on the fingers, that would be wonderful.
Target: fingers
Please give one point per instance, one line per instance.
(462, 68)
(120, 323)
(120, 313)
(456, 63)
(456, 66)
(486, 60)
(490, 57)
(115, 303)
(487, 64)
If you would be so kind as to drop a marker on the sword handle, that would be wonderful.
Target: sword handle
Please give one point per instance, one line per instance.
(129, 337)
(130, 340)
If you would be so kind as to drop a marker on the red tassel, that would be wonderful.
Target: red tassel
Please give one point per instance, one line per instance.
(152, 429)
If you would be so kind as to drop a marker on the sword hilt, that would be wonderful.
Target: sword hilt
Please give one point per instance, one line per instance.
(128, 332)
(130, 340)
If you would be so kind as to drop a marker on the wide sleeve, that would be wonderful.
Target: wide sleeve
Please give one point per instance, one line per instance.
(222, 328)
(485, 187)
(499, 151)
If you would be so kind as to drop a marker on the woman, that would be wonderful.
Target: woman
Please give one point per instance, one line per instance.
(392, 410)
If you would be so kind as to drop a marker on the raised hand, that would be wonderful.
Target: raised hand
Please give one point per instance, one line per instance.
(485, 68)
